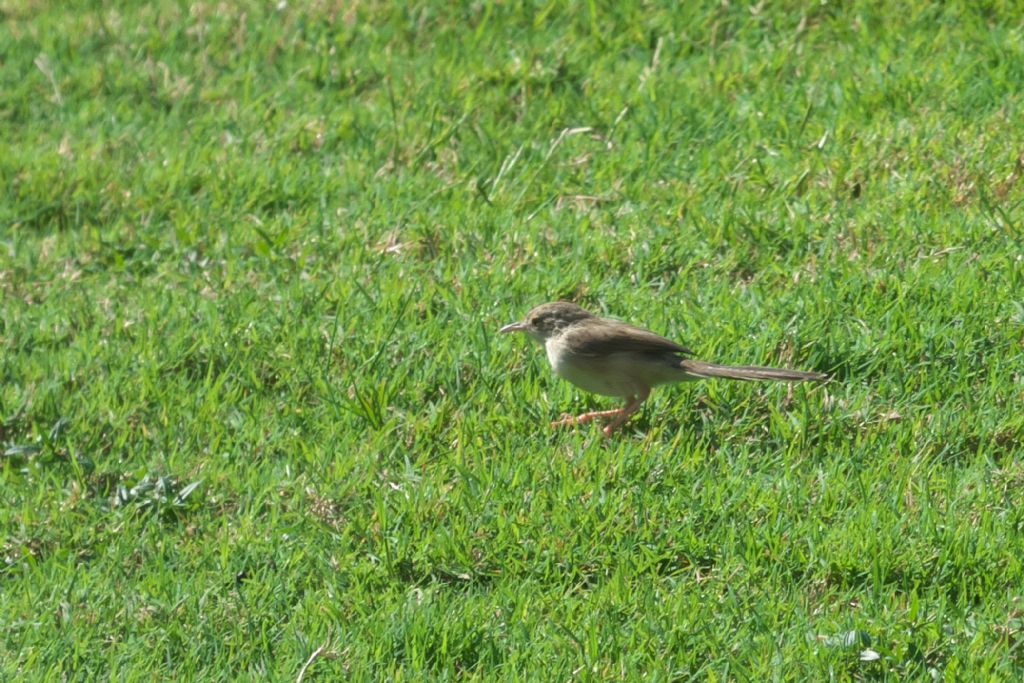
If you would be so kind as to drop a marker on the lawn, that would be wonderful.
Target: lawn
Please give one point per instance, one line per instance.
(256, 421)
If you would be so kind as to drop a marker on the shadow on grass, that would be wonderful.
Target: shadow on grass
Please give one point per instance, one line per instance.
(422, 574)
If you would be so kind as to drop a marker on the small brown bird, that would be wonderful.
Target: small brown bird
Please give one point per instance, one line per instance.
(612, 358)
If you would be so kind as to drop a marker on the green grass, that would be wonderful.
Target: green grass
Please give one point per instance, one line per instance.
(264, 249)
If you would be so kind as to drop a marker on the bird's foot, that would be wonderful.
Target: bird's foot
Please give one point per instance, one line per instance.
(567, 419)
(564, 419)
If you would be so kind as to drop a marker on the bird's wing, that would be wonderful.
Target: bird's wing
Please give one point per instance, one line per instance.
(615, 337)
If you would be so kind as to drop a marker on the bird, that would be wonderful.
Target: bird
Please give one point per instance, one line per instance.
(613, 358)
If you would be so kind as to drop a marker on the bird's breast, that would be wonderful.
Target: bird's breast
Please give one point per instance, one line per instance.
(609, 376)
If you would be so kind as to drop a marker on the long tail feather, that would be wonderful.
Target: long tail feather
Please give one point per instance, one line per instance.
(702, 369)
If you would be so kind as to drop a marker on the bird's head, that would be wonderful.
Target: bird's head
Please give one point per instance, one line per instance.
(548, 320)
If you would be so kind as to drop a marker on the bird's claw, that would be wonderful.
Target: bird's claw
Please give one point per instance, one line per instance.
(563, 420)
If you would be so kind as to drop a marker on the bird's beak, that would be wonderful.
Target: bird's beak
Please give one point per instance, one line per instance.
(514, 327)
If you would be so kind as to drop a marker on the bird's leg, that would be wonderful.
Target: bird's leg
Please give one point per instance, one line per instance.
(620, 415)
(631, 407)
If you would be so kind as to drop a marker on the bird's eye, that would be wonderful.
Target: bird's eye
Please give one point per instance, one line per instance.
(534, 320)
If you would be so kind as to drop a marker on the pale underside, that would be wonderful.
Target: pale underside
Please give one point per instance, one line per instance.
(625, 373)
